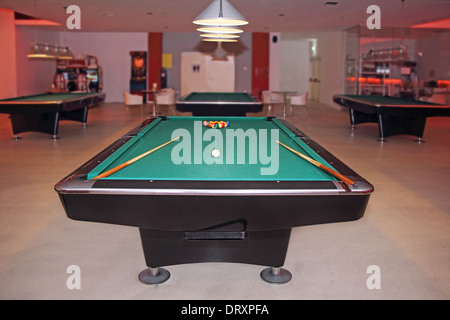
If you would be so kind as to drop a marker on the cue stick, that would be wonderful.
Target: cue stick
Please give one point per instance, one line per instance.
(123, 165)
(321, 166)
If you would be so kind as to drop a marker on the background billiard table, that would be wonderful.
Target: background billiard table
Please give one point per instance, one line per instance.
(42, 112)
(393, 115)
(219, 104)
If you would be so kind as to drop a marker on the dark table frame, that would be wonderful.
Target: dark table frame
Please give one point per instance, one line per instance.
(392, 119)
(213, 221)
(44, 116)
(218, 108)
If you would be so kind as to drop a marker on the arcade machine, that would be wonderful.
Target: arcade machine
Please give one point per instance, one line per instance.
(83, 75)
(138, 80)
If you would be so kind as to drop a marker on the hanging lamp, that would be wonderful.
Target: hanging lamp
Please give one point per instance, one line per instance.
(220, 13)
(220, 29)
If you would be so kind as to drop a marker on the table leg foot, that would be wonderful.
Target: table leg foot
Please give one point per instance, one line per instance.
(154, 275)
(420, 140)
(381, 139)
(54, 137)
(17, 137)
(276, 275)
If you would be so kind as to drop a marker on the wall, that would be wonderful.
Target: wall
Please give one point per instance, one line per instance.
(8, 76)
(113, 52)
(111, 49)
(260, 63)
(434, 61)
(295, 55)
(177, 42)
(34, 76)
(154, 57)
(274, 61)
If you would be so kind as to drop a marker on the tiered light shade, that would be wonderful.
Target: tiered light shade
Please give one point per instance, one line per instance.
(218, 35)
(220, 29)
(220, 13)
(219, 22)
(219, 40)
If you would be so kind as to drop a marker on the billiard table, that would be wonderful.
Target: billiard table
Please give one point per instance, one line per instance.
(236, 206)
(219, 104)
(42, 112)
(394, 115)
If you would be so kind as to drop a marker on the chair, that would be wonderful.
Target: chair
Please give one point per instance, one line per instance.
(270, 98)
(299, 100)
(167, 97)
(133, 100)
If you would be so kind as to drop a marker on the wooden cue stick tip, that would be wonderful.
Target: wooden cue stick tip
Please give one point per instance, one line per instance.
(125, 164)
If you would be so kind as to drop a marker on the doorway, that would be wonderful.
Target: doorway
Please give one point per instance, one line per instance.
(314, 78)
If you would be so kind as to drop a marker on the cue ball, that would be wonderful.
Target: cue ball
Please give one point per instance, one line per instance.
(215, 153)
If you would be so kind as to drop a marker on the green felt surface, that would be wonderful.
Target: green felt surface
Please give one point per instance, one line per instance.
(161, 163)
(48, 97)
(383, 100)
(219, 96)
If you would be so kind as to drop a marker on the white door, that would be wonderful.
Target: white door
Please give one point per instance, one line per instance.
(220, 74)
(193, 73)
(314, 79)
(201, 73)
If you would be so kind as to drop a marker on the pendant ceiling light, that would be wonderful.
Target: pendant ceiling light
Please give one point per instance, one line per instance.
(46, 51)
(219, 40)
(220, 29)
(37, 51)
(218, 35)
(399, 54)
(220, 53)
(220, 13)
(65, 54)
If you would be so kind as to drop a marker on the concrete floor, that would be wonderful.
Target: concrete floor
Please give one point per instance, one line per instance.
(405, 231)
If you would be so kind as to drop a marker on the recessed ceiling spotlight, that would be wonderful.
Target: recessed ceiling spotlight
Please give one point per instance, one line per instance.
(107, 14)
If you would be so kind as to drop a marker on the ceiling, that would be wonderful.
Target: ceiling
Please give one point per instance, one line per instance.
(263, 15)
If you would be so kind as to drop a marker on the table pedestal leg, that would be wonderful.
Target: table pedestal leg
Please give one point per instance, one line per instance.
(154, 275)
(154, 103)
(276, 275)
